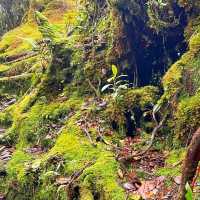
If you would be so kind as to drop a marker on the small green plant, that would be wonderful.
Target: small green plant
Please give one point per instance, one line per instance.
(189, 193)
(116, 83)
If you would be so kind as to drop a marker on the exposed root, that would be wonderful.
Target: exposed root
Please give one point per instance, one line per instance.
(20, 57)
(16, 78)
(190, 164)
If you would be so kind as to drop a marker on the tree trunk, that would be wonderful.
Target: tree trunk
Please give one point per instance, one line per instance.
(190, 164)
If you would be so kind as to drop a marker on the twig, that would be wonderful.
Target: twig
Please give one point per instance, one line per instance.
(94, 89)
(77, 174)
(89, 137)
(106, 142)
(155, 130)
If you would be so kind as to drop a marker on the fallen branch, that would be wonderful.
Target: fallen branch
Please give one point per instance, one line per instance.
(106, 142)
(67, 183)
(77, 174)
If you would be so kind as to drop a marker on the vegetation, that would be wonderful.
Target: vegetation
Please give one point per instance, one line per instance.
(74, 125)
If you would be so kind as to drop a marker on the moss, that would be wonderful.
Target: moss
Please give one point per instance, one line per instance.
(102, 175)
(3, 68)
(133, 98)
(174, 157)
(16, 167)
(187, 116)
(181, 88)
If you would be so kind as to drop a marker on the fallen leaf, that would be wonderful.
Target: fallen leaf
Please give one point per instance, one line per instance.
(129, 186)
(150, 188)
(120, 173)
(62, 180)
(177, 180)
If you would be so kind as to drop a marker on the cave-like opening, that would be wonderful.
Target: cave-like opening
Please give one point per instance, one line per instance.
(151, 53)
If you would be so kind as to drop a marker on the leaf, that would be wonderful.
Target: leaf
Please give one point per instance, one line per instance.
(156, 108)
(177, 180)
(121, 81)
(124, 87)
(129, 186)
(111, 79)
(105, 87)
(62, 180)
(114, 71)
(120, 173)
(121, 76)
(189, 193)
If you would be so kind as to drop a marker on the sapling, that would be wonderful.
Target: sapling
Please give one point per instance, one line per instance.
(116, 83)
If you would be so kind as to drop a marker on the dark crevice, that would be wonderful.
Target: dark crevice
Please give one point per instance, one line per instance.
(150, 52)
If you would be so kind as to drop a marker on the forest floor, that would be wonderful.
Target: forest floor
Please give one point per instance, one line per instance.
(139, 176)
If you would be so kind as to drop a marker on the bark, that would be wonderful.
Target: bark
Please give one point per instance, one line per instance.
(190, 164)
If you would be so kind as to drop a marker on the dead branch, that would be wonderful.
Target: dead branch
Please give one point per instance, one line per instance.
(20, 57)
(96, 91)
(85, 129)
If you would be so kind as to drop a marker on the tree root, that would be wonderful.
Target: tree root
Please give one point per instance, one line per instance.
(19, 57)
(16, 78)
(190, 164)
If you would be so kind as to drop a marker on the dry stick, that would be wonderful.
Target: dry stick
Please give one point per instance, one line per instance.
(106, 142)
(77, 174)
(155, 130)
(74, 177)
(87, 133)
(94, 89)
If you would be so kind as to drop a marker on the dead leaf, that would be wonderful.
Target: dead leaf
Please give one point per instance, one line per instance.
(62, 180)
(150, 188)
(120, 173)
(129, 186)
(177, 180)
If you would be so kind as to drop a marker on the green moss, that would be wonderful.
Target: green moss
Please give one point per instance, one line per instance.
(102, 175)
(172, 160)
(16, 167)
(133, 98)
(3, 68)
(187, 116)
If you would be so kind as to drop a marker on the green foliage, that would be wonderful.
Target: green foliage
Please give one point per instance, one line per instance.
(116, 83)
(130, 99)
(189, 193)
(48, 30)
